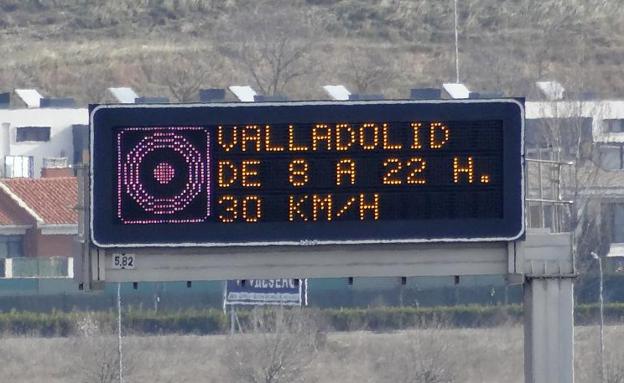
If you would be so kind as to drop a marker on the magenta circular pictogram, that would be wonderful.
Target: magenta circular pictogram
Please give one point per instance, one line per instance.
(164, 173)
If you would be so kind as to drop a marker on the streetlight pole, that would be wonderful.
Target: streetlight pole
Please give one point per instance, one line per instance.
(602, 345)
(456, 44)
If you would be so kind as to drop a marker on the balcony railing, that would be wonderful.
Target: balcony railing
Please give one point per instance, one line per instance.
(30, 267)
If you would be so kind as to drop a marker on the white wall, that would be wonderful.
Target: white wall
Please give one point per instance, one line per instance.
(596, 110)
(60, 122)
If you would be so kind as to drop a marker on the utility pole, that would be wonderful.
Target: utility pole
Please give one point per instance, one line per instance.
(119, 345)
(456, 45)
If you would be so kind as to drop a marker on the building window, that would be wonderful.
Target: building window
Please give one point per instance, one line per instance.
(614, 126)
(611, 157)
(32, 133)
(19, 167)
(11, 246)
(561, 134)
(617, 222)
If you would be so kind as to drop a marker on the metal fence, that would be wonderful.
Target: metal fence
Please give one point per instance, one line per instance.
(550, 190)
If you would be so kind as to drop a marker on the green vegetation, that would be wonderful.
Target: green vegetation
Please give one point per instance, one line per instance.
(213, 321)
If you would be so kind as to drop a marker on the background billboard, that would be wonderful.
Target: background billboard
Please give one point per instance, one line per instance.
(285, 292)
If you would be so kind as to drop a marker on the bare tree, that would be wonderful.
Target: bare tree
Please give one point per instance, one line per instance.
(278, 346)
(184, 77)
(187, 73)
(368, 69)
(615, 372)
(566, 135)
(101, 364)
(184, 73)
(99, 361)
(422, 358)
(273, 44)
(95, 81)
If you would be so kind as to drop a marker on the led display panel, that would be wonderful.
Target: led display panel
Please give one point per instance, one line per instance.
(305, 173)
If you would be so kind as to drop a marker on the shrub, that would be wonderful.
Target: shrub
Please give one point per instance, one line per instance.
(213, 321)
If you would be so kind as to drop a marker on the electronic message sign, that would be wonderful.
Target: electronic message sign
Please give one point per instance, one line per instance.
(304, 173)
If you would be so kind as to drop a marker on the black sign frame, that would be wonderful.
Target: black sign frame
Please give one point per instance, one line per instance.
(104, 118)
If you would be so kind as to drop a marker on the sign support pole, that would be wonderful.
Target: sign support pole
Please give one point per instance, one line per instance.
(548, 309)
(89, 261)
(549, 330)
(232, 319)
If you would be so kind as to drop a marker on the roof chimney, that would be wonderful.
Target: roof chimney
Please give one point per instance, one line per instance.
(243, 93)
(456, 90)
(337, 92)
(124, 95)
(30, 97)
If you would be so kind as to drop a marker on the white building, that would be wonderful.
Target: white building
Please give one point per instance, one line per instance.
(603, 125)
(602, 172)
(34, 136)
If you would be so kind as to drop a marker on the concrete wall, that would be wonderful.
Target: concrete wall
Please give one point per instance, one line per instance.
(39, 245)
(54, 245)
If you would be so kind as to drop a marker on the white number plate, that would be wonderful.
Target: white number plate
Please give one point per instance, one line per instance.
(123, 261)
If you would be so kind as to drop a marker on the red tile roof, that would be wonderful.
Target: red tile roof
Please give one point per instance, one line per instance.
(53, 200)
(6, 219)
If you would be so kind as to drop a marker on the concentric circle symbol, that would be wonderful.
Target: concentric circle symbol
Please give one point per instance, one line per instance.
(164, 173)
(196, 171)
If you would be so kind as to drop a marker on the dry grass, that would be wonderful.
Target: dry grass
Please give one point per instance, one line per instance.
(69, 48)
(469, 355)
